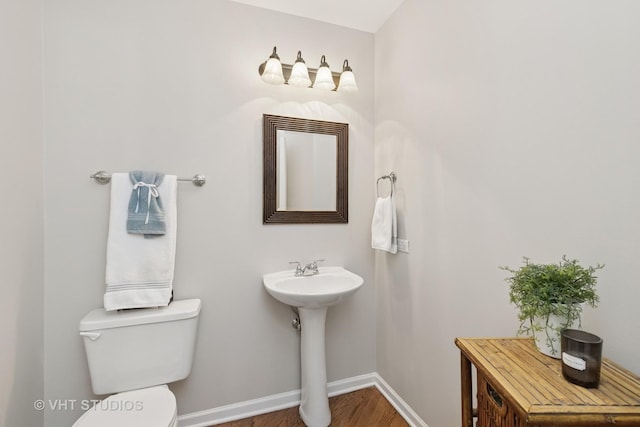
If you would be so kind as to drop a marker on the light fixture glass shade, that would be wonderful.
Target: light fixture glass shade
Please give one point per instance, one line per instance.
(347, 79)
(347, 82)
(299, 73)
(324, 79)
(273, 70)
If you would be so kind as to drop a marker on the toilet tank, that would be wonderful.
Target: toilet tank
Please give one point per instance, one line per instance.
(139, 348)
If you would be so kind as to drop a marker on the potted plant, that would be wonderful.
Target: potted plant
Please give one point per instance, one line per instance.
(550, 297)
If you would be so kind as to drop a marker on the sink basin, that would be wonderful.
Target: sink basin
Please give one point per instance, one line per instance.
(327, 288)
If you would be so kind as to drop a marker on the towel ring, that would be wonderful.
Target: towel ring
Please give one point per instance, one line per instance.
(391, 177)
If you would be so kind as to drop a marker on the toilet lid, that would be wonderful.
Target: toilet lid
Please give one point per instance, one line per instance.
(147, 407)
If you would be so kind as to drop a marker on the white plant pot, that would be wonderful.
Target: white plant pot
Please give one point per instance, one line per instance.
(547, 334)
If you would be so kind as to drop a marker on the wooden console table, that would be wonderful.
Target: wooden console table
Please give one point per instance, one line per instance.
(517, 386)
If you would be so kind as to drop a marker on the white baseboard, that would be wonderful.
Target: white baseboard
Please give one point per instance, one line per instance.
(398, 403)
(275, 402)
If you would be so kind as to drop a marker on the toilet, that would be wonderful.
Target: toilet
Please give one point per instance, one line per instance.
(133, 355)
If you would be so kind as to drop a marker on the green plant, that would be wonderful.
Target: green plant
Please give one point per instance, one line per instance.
(541, 291)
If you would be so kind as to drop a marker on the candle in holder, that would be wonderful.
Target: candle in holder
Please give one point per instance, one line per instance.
(581, 357)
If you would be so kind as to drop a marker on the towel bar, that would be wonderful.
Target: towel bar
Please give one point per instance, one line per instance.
(103, 177)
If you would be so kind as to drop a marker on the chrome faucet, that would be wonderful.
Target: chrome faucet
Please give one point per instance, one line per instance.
(310, 269)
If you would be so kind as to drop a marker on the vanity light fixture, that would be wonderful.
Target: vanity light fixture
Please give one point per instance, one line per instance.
(324, 78)
(299, 73)
(274, 72)
(347, 79)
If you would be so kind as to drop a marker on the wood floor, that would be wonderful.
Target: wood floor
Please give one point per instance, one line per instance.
(361, 408)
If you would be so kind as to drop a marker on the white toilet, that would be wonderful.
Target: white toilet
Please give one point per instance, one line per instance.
(135, 353)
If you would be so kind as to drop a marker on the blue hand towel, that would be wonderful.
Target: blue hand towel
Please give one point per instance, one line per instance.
(145, 213)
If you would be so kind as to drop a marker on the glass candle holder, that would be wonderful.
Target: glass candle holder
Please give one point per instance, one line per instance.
(581, 357)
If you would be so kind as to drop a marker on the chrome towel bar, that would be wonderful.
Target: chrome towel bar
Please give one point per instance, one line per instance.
(103, 177)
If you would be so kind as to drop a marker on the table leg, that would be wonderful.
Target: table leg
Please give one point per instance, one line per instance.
(466, 391)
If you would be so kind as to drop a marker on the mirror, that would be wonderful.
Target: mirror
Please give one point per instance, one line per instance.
(305, 171)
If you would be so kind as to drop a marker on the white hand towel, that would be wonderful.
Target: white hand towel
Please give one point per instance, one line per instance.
(139, 271)
(384, 225)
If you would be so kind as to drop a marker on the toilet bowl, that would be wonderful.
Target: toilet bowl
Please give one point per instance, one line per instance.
(132, 355)
(147, 407)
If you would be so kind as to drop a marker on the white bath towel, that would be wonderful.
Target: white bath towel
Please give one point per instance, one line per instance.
(139, 271)
(384, 225)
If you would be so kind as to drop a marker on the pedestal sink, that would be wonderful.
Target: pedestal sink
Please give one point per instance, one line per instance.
(312, 295)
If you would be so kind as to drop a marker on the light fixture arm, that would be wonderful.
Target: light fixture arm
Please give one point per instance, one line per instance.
(323, 62)
(275, 54)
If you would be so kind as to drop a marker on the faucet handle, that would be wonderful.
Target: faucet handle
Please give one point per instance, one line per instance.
(314, 264)
(298, 267)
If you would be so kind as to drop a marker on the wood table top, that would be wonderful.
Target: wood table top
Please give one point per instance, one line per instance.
(533, 384)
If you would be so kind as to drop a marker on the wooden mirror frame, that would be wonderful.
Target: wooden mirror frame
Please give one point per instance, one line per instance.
(271, 124)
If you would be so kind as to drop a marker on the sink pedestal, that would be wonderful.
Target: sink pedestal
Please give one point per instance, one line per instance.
(314, 402)
(312, 295)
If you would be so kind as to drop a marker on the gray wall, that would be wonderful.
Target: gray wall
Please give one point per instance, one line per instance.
(173, 86)
(21, 215)
(513, 128)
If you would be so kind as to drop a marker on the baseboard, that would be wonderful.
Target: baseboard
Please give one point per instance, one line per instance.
(290, 399)
(238, 411)
(398, 403)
